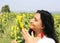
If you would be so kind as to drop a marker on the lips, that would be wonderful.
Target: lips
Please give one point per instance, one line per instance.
(31, 25)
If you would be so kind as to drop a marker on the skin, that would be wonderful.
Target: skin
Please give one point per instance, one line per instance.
(36, 26)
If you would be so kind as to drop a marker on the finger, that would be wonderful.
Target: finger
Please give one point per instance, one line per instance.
(21, 29)
(14, 41)
(25, 32)
(32, 34)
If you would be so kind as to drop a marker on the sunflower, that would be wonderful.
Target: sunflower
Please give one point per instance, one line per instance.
(20, 23)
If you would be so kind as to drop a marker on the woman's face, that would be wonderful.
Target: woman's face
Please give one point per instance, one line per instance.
(36, 23)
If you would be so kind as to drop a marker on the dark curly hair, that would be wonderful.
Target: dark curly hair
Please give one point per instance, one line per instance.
(48, 22)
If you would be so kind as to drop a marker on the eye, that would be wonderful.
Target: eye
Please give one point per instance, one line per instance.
(35, 19)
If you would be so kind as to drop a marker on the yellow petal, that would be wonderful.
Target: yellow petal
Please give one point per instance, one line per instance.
(21, 25)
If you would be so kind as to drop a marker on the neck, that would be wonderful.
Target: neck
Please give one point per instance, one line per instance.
(37, 33)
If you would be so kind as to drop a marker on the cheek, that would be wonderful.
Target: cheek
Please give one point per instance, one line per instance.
(33, 26)
(38, 25)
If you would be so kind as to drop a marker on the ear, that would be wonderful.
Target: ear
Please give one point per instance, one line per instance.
(43, 26)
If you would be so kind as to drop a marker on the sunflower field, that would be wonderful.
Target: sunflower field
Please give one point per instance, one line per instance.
(11, 23)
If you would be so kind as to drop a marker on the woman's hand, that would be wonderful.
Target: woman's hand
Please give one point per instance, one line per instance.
(14, 41)
(28, 38)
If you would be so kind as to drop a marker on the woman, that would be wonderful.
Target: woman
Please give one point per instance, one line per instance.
(41, 29)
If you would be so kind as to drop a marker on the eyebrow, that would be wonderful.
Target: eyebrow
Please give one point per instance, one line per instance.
(35, 17)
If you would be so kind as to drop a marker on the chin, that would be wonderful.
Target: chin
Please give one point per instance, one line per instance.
(31, 27)
(30, 30)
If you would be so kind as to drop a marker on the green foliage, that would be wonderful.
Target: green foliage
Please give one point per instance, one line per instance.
(8, 24)
(5, 8)
(10, 30)
(57, 25)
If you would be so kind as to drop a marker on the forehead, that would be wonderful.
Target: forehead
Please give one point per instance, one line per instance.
(37, 16)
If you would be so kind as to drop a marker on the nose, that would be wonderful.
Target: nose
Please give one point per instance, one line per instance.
(31, 21)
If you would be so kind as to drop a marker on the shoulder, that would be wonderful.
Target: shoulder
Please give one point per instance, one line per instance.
(46, 40)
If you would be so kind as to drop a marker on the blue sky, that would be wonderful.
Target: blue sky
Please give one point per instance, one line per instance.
(31, 5)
